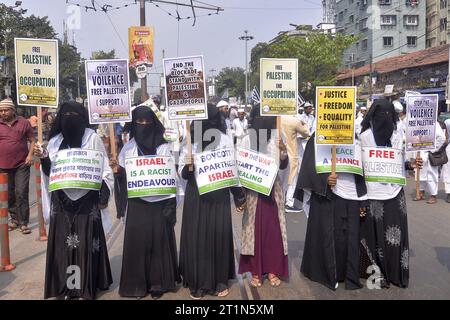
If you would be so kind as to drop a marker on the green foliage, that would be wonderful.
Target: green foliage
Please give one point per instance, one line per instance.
(70, 73)
(232, 79)
(319, 57)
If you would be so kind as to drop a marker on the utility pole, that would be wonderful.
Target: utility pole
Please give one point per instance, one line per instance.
(246, 38)
(370, 78)
(144, 95)
(162, 83)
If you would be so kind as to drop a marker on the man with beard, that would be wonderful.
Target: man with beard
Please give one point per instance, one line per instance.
(224, 108)
(16, 159)
(78, 217)
(384, 231)
(149, 261)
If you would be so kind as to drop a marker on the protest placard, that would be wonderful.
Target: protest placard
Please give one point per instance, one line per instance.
(335, 115)
(421, 117)
(385, 165)
(76, 168)
(37, 72)
(279, 86)
(256, 171)
(215, 170)
(185, 88)
(108, 90)
(348, 158)
(150, 176)
(140, 45)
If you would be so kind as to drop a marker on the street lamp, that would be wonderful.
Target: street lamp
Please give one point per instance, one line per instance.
(246, 37)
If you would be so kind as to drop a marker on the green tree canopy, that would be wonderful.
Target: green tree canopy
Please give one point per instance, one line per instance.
(319, 57)
(232, 79)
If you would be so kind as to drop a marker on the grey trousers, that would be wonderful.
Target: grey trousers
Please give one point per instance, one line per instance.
(18, 192)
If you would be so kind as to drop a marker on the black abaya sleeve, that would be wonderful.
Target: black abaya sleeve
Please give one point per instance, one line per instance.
(104, 194)
(186, 174)
(120, 192)
(238, 196)
(284, 163)
(46, 165)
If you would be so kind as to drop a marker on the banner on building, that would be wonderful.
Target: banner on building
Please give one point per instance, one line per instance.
(140, 45)
(215, 170)
(256, 171)
(185, 88)
(421, 117)
(150, 176)
(385, 165)
(108, 91)
(335, 115)
(76, 168)
(37, 72)
(348, 158)
(279, 86)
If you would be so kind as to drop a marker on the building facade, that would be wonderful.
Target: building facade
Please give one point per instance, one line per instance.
(383, 28)
(437, 16)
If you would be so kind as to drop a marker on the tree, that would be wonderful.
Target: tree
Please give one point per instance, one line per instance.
(232, 79)
(70, 73)
(319, 57)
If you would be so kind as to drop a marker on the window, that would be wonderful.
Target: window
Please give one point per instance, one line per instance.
(363, 24)
(388, 20)
(388, 41)
(384, 2)
(412, 3)
(443, 24)
(341, 16)
(443, 4)
(364, 44)
(350, 1)
(411, 20)
(411, 41)
(351, 19)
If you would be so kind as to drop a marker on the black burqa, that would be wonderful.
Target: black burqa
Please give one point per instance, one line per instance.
(149, 260)
(76, 236)
(384, 230)
(206, 246)
(331, 251)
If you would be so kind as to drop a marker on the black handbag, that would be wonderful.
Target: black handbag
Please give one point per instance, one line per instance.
(439, 157)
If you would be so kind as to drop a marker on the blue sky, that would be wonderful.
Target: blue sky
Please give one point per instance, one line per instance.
(215, 37)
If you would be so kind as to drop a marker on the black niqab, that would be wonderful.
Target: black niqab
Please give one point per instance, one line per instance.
(149, 136)
(382, 118)
(259, 123)
(214, 121)
(71, 126)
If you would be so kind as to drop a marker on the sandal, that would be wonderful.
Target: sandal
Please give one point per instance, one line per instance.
(12, 226)
(274, 280)
(223, 293)
(432, 200)
(255, 282)
(422, 197)
(25, 230)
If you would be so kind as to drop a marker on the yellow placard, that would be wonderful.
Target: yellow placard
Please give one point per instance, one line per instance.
(37, 72)
(279, 86)
(335, 115)
(140, 44)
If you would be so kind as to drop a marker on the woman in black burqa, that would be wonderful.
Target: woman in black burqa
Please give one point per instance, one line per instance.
(149, 261)
(206, 247)
(76, 236)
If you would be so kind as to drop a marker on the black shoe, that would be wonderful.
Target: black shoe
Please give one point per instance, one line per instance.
(156, 294)
(292, 209)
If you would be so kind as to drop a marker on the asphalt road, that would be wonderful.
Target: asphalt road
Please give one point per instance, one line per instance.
(429, 236)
